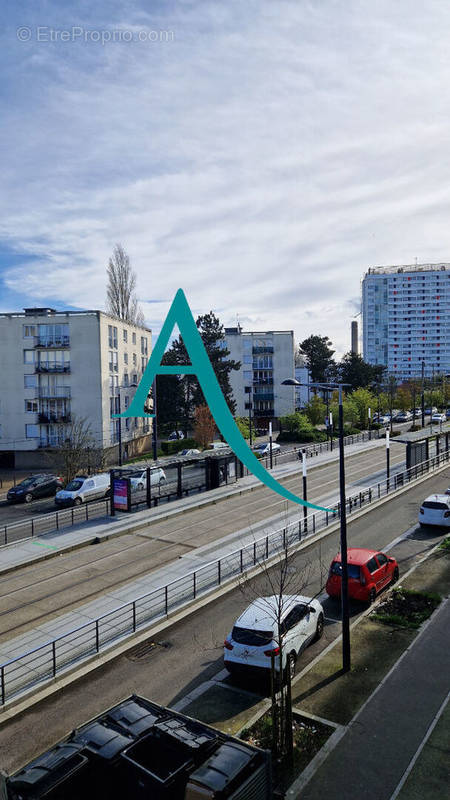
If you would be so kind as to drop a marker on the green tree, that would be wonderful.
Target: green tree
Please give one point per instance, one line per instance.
(319, 356)
(363, 399)
(316, 410)
(403, 398)
(357, 372)
(244, 426)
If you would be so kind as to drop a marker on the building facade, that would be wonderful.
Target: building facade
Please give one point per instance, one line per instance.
(406, 319)
(302, 392)
(64, 365)
(267, 359)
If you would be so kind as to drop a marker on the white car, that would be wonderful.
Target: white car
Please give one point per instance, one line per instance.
(253, 642)
(438, 417)
(190, 452)
(435, 510)
(138, 481)
(383, 419)
(176, 435)
(218, 446)
(263, 449)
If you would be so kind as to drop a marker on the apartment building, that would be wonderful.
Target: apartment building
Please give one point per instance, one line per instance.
(406, 319)
(302, 392)
(61, 365)
(267, 359)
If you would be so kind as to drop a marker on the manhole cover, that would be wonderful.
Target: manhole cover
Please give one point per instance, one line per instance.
(144, 650)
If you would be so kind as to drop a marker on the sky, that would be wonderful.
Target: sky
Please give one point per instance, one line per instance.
(260, 155)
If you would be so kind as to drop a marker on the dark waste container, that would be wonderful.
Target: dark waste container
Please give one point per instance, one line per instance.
(232, 768)
(62, 773)
(102, 745)
(134, 717)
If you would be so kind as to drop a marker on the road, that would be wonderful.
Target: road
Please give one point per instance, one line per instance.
(31, 596)
(193, 651)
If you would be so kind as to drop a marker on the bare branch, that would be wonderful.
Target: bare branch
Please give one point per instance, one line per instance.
(121, 299)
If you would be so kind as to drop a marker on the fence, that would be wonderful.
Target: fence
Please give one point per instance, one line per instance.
(45, 662)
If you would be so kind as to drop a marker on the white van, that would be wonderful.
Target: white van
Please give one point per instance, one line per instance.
(138, 481)
(218, 446)
(84, 488)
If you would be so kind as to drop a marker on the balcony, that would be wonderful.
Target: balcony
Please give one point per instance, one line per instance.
(261, 350)
(52, 368)
(263, 382)
(264, 396)
(53, 391)
(268, 412)
(51, 418)
(49, 342)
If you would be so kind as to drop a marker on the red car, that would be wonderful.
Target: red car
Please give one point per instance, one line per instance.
(369, 571)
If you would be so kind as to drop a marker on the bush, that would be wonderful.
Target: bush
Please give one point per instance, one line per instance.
(172, 447)
(302, 436)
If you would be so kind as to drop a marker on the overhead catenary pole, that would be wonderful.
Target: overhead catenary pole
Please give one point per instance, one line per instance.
(343, 542)
(388, 461)
(305, 490)
(270, 445)
(154, 424)
(423, 394)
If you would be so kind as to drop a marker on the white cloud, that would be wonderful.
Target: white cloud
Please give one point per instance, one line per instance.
(262, 160)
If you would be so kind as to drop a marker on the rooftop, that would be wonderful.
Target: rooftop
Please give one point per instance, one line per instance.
(441, 267)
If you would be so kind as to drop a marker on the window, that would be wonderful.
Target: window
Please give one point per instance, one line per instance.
(115, 356)
(144, 350)
(143, 363)
(31, 406)
(125, 379)
(134, 378)
(125, 335)
(127, 401)
(125, 358)
(28, 356)
(29, 331)
(32, 431)
(112, 336)
(372, 566)
(381, 558)
(127, 423)
(133, 338)
(30, 381)
(134, 359)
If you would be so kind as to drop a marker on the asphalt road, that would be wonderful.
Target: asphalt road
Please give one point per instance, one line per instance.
(193, 651)
(39, 592)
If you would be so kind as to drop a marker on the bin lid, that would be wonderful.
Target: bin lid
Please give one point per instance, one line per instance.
(189, 733)
(49, 769)
(223, 766)
(100, 739)
(132, 718)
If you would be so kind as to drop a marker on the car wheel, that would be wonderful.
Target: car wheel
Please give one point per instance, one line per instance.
(77, 501)
(372, 596)
(291, 664)
(395, 575)
(319, 628)
(28, 497)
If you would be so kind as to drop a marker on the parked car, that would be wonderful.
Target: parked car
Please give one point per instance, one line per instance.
(438, 417)
(403, 416)
(435, 511)
(263, 449)
(218, 446)
(84, 488)
(417, 412)
(369, 571)
(190, 452)
(33, 487)
(176, 435)
(253, 641)
(138, 480)
(383, 419)
(430, 410)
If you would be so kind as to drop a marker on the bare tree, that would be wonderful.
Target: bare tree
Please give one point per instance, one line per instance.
(204, 425)
(273, 588)
(79, 451)
(121, 300)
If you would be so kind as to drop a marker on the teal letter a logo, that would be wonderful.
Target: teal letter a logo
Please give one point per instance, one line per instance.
(180, 314)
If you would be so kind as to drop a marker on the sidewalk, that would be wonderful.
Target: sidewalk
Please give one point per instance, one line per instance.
(378, 750)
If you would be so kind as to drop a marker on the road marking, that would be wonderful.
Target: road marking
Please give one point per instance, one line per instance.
(43, 544)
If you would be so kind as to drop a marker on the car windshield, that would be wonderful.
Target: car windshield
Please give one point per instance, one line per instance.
(27, 481)
(74, 485)
(352, 569)
(251, 637)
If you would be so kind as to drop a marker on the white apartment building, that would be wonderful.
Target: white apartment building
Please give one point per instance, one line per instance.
(61, 365)
(302, 393)
(267, 359)
(406, 319)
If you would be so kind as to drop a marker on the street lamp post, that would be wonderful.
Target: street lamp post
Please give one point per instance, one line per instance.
(346, 660)
(270, 445)
(388, 461)
(331, 430)
(248, 390)
(305, 491)
(423, 394)
(154, 424)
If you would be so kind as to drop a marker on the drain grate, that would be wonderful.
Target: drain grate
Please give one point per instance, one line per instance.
(144, 650)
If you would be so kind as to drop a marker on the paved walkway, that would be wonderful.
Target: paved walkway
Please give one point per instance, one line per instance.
(382, 747)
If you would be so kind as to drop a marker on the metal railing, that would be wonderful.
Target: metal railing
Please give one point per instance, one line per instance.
(45, 662)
